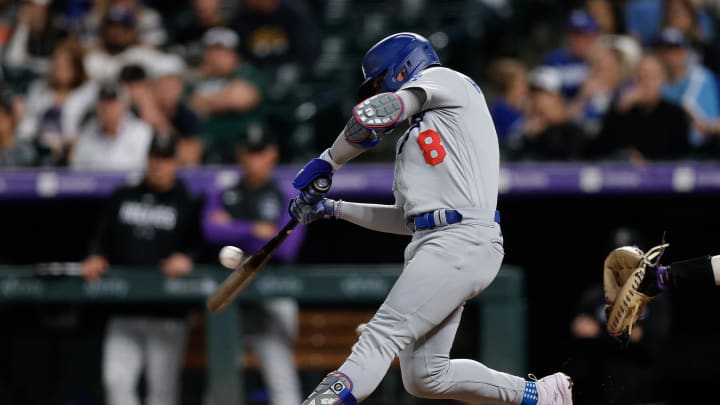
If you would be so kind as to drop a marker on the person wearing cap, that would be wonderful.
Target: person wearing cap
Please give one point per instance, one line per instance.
(151, 226)
(640, 125)
(689, 84)
(549, 133)
(275, 32)
(119, 46)
(227, 95)
(168, 85)
(149, 22)
(247, 215)
(572, 60)
(34, 38)
(114, 139)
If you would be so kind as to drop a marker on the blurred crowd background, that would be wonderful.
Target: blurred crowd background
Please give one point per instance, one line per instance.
(151, 86)
(566, 80)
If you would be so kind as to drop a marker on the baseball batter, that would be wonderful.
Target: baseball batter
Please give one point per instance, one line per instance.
(445, 186)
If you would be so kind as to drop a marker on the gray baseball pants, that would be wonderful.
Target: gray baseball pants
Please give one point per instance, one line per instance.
(444, 267)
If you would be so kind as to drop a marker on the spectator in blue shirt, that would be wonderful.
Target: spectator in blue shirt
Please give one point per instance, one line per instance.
(690, 85)
(572, 59)
(509, 81)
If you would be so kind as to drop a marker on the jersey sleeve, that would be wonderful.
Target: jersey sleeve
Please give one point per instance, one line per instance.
(442, 87)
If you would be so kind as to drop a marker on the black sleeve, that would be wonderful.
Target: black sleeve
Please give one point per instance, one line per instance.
(679, 127)
(189, 239)
(606, 142)
(103, 241)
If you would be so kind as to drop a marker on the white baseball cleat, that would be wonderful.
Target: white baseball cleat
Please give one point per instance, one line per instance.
(555, 389)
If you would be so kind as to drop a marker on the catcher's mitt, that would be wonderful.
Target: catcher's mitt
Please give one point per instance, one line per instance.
(625, 269)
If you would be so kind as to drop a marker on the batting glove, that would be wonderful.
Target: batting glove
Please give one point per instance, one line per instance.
(306, 213)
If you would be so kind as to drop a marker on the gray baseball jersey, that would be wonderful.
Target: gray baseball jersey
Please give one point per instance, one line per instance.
(449, 157)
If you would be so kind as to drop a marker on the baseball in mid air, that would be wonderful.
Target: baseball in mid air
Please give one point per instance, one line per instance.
(231, 257)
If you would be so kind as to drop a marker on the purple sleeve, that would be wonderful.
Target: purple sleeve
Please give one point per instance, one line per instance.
(233, 233)
(239, 232)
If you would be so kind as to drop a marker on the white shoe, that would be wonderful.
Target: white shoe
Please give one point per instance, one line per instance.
(555, 389)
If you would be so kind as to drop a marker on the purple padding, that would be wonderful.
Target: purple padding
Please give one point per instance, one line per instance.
(375, 181)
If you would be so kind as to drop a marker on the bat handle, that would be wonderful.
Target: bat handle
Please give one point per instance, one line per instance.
(316, 191)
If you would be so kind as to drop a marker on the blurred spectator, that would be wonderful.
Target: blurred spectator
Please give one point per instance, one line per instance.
(599, 90)
(34, 38)
(683, 16)
(56, 105)
(549, 134)
(644, 18)
(607, 372)
(509, 80)
(226, 95)
(249, 214)
(13, 152)
(119, 46)
(690, 85)
(150, 224)
(8, 13)
(608, 15)
(192, 23)
(641, 125)
(115, 139)
(274, 32)
(572, 59)
(149, 22)
(168, 86)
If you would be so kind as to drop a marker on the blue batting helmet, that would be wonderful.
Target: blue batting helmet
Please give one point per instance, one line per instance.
(388, 57)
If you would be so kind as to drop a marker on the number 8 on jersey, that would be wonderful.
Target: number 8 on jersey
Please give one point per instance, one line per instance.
(433, 150)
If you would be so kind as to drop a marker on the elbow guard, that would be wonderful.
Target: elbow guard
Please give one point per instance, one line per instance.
(373, 118)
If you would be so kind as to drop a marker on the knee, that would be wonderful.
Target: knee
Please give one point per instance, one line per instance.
(422, 381)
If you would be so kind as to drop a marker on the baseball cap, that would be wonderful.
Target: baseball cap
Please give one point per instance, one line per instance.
(671, 37)
(120, 15)
(581, 21)
(168, 65)
(109, 91)
(257, 138)
(220, 36)
(163, 146)
(546, 78)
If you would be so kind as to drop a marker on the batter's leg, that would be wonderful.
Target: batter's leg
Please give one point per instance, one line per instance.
(428, 372)
(443, 270)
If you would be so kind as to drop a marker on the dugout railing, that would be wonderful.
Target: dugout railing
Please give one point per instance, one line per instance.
(501, 309)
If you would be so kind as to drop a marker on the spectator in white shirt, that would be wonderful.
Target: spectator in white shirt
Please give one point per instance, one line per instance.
(56, 105)
(115, 139)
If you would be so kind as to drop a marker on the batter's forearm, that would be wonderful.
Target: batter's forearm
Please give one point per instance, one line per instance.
(381, 218)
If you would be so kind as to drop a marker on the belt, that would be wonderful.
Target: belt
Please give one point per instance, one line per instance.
(438, 218)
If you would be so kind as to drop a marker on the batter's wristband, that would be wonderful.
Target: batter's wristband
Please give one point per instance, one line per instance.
(336, 210)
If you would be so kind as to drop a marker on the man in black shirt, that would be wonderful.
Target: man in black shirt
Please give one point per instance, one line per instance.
(150, 225)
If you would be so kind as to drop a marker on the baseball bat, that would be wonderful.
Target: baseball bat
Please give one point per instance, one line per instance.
(241, 277)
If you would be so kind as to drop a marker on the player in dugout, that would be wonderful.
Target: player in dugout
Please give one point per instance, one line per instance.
(446, 187)
(248, 214)
(154, 225)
